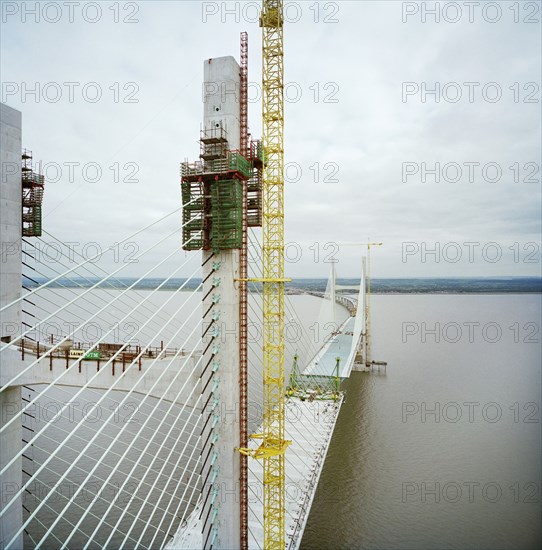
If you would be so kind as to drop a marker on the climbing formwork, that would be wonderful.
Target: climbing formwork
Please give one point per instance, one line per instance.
(32, 186)
(226, 213)
(212, 193)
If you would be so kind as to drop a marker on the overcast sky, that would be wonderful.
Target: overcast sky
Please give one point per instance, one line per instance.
(356, 70)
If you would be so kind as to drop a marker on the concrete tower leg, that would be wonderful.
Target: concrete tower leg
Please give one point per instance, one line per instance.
(10, 318)
(220, 514)
(10, 445)
(224, 420)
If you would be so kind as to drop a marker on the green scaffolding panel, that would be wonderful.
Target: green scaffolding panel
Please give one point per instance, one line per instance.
(226, 203)
(232, 162)
(193, 215)
(192, 192)
(37, 221)
(254, 199)
(238, 162)
(32, 221)
(193, 230)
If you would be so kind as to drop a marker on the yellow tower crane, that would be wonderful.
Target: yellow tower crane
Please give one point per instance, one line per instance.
(273, 445)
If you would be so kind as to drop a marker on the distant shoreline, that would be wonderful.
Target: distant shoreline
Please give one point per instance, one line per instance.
(475, 285)
(458, 293)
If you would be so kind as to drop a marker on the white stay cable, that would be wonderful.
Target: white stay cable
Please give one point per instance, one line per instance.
(308, 345)
(173, 473)
(91, 259)
(110, 291)
(64, 497)
(165, 438)
(78, 297)
(82, 453)
(83, 470)
(167, 505)
(141, 453)
(106, 393)
(190, 499)
(78, 361)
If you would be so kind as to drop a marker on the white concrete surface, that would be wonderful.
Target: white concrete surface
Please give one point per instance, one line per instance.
(10, 319)
(11, 481)
(221, 97)
(221, 107)
(10, 220)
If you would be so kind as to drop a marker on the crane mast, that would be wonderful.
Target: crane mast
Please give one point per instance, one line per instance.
(273, 444)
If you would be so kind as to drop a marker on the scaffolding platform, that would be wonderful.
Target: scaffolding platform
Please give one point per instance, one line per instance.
(32, 189)
(233, 162)
(212, 191)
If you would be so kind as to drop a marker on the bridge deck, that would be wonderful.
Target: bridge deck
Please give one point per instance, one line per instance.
(340, 345)
(309, 425)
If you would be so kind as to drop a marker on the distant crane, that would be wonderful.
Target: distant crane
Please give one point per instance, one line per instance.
(368, 360)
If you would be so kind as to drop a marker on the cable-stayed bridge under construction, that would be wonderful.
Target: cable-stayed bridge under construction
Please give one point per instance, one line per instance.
(195, 418)
(124, 469)
(121, 425)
